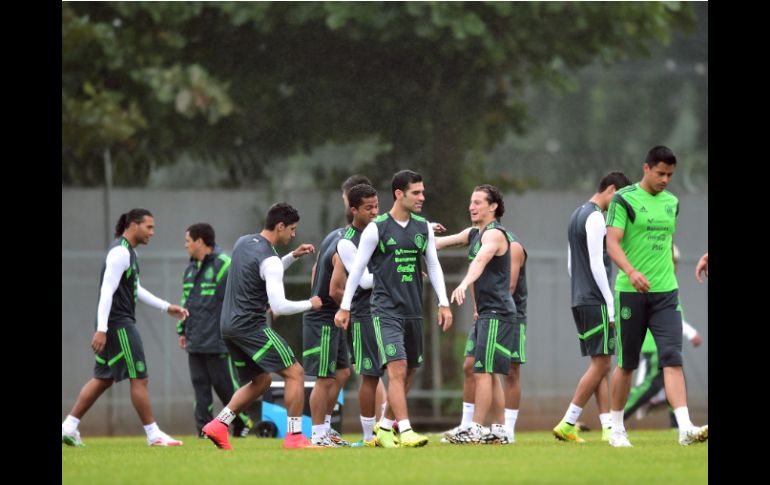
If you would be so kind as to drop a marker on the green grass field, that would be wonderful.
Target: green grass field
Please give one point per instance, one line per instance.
(536, 457)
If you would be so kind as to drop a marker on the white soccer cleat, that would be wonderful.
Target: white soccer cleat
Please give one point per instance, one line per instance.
(71, 439)
(162, 439)
(619, 439)
(694, 435)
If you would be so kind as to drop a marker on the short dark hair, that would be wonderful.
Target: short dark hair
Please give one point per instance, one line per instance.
(281, 212)
(354, 180)
(659, 154)
(618, 179)
(493, 195)
(402, 179)
(203, 230)
(134, 215)
(358, 193)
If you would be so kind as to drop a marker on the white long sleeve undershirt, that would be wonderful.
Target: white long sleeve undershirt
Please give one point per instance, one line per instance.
(271, 270)
(117, 262)
(595, 233)
(347, 251)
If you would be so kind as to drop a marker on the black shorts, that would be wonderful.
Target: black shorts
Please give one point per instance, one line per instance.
(123, 355)
(324, 347)
(494, 345)
(365, 350)
(261, 350)
(399, 339)
(518, 346)
(656, 311)
(594, 332)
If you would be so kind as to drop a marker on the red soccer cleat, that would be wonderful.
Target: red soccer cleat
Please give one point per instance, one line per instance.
(216, 431)
(298, 440)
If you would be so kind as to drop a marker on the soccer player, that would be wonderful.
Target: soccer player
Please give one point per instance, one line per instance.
(256, 280)
(203, 290)
(395, 243)
(592, 305)
(364, 207)
(116, 342)
(640, 226)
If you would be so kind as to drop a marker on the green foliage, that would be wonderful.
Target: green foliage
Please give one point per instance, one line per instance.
(253, 82)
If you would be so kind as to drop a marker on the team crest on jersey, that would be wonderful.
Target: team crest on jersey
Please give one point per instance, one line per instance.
(625, 313)
(332, 366)
(469, 345)
(390, 350)
(209, 273)
(140, 366)
(367, 363)
(611, 343)
(419, 240)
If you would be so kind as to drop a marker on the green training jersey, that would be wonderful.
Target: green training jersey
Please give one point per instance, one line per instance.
(649, 222)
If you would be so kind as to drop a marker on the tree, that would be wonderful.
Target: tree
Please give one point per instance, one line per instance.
(244, 83)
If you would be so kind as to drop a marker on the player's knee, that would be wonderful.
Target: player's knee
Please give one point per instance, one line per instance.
(468, 367)
(343, 374)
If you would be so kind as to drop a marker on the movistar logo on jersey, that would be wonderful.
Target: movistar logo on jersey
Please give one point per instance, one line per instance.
(625, 313)
(390, 350)
(367, 363)
(391, 242)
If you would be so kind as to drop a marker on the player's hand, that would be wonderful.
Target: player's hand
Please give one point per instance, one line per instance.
(182, 342)
(178, 312)
(702, 267)
(696, 340)
(98, 342)
(459, 294)
(316, 302)
(342, 319)
(438, 228)
(639, 281)
(444, 318)
(302, 250)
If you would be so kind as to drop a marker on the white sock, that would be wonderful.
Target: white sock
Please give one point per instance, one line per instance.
(294, 424)
(367, 424)
(404, 425)
(70, 424)
(319, 431)
(151, 429)
(226, 416)
(573, 413)
(328, 422)
(617, 420)
(385, 423)
(683, 418)
(468, 409)
(510, 419)
(606, 420)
